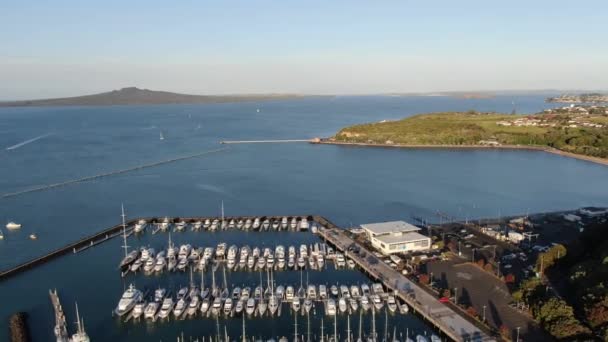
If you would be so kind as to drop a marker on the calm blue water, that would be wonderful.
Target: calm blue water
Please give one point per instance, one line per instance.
(345, 184)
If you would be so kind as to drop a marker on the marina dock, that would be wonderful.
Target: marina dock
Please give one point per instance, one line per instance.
(443, 317)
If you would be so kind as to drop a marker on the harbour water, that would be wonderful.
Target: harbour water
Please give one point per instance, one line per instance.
(346, 185)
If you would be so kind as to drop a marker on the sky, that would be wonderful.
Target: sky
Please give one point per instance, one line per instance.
(69, 47)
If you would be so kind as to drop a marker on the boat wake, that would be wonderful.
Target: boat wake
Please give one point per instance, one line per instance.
(29, 141)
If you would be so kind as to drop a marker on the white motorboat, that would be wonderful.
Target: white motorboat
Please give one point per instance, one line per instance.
(275, 224)
(262, 306)
(228, 307)
(353, 304)
(149, 265)
(151, 309)
(421, 338)
(256, 223)
(307, 305)
(391, 304)
(365, 305)
(245, 293)
(354, 291)
(266, 224)
(205, 306)
(304, 225)
(377, 302)
(13, 225)
(164, 224)
(350, 264)
(159, 294)
(128, 300)
(344, 291)
(273, 304)
(250, 261)
(301, 262)
(139, 226)
(280, 292)
(240, 224)
(166, 308)
(180, 308)
(193, 306)
(136, 265)
(197, 225)
(334, 290)
(180, 226)
(182, 264)
(291, 263)
(207, 224)
(322, 291)
(236, 293)
(342, 305)
(240, 305)
(160, 264)
(403, 309)
(365, 290)
(216, 306)
(220, 251)
(138, 310)
(294, 223)
(248, 224)
(182, 293)
(250, 308)
(172, 264)
(295, 304)
(284, 222)
(330, 308)
(314, 229)
(435, 338)
(289, 293)
(311, 292)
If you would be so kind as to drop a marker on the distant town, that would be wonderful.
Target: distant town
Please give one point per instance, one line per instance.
(580, 98)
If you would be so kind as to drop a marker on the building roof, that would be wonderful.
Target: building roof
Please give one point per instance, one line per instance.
(403, 238)
(390, 227)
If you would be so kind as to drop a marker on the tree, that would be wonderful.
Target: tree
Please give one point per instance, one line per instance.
(557, 317)
(597, 314)
(548, 258)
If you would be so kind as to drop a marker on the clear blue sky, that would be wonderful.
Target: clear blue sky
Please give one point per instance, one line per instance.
(56, 48)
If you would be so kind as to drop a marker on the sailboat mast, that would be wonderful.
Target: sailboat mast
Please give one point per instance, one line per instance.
(124, 231)
(308, 327)
(348, 328)
(78, 320)
(322, 332)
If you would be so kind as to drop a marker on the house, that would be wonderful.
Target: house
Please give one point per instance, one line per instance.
(396, 237)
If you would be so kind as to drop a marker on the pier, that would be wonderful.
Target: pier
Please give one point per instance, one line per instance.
(443, 317)
(265, 141)
(61, 331)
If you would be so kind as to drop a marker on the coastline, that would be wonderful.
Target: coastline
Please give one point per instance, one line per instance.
(595, 160)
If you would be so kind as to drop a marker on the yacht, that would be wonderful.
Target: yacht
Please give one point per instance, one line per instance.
(182, 293)
(266, 224)
(342, 305)
(331, 307)
(256, 223)
(230, 263)
(245, 293)
(236, 293)
(136, 265)
(435, 338)
(197, 225)
(289, 293)
(322, 291)
(420, 338)
(180, 226)
(180, 308)
(307, 305)
(232, 224)
(248, 224)
(216, 306)
(353, 304)
(291, 263)
(147, 253)
(365, 290)
(228, 307)
(378, 289)
(250, 308)
(280, 291)
(129, 258)
(301, 262)
(377, 302)
(350, 264)
(12, 225)
(160, 263)
(220, 251)
(261, 263)
(295, 304)
(184, 251)
(204, 293)
(354, 291)
(193, 306)
(128, 300)
(275, 225)
(81, 334)
(365, 303)
(262, 306)
(205, 306)
(303, 250)
(164, 224)
(138, 310)
(182, 264)
(281, 263)
(344, 291)
(284, 222)
(150, 310)
(172, 264)
(392, 304)
(207, 224)
(294, 223)
(251, 262)
(273, 304)
(314, 229)
(239, 306)
(311, 292)
(195, 254)
(214, 225)
(320, 261)
(159, 294)
(304, 224)
(139, 226)
(334, 290)
(270, 261)
(292, 251)
(240, 224)
(149, 265)
(166, 308)
(403, 309)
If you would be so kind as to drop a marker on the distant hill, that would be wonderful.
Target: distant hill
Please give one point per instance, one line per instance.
(136, 96)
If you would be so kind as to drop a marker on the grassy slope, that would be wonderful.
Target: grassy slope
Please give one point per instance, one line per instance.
(471, 128)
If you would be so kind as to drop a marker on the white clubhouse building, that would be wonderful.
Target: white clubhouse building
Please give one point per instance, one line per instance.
(396, 237)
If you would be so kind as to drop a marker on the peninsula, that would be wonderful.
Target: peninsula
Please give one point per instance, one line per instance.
(580, 98)
(580, 132)
(137, 96)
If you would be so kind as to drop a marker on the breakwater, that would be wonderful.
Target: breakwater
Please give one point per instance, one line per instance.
(111, 173)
